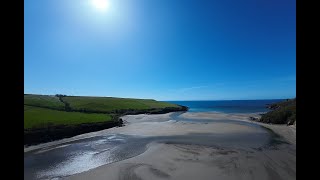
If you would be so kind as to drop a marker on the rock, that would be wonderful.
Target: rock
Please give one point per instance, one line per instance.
(120, 122)
(253, 118)
(273, 106)
(291, 122)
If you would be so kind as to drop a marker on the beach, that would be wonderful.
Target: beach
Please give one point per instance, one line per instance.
(191, 145)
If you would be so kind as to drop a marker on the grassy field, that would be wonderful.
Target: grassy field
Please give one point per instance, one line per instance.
(52, 102)
(44, 111)
(108, 104)
(36, 117)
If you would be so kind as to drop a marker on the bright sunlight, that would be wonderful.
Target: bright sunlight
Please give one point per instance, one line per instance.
(102, 5)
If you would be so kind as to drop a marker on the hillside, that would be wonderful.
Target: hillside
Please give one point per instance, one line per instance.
(37, 117)
(51, 102)
(49, 118)
(113, 105)
(281, 113)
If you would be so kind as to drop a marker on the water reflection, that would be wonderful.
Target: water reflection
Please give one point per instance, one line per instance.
(83, 155)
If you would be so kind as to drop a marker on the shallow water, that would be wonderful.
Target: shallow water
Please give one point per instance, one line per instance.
(177, 117)
(83, 155)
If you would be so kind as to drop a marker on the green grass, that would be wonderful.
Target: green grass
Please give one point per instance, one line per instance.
(44, 111)
(108, 104)
(35, 117)
(43, 101)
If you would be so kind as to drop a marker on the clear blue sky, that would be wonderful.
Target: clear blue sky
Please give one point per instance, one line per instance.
(161, 49)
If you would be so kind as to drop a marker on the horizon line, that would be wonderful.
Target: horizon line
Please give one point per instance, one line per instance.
(171, 100)
(232, 99)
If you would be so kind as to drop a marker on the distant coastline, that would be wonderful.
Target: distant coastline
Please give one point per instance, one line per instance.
(106, 112)
(228, 106)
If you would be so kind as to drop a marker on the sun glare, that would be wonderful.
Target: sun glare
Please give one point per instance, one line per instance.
(102, 5)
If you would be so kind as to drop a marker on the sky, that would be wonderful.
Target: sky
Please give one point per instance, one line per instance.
(161, 49)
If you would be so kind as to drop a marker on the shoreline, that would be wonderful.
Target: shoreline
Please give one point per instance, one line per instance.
(29, 148)
(285, 131)
(288, 132)
(37, 136)
(171, 146)
(194, 161)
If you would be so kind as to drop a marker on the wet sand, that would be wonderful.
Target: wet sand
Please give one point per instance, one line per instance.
(171, 146)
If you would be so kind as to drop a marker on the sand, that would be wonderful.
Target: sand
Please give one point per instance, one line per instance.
(287, 132)
(177, 161)
(162, 161)
(195, 161)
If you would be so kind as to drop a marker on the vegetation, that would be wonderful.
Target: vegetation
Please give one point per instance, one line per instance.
(43, 110)
(51, 102)
(36, 117)
(112, 105)
(48, 118)
(281, 113)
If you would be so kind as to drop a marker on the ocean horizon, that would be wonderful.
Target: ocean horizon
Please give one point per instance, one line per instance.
(227, 106)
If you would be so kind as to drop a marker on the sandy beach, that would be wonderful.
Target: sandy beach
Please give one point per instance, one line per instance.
(182, 146)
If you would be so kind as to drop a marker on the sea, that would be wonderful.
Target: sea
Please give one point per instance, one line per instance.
(228, 106)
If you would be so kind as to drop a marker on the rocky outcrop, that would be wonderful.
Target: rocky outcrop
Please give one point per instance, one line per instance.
(281, 113)
(253, 118)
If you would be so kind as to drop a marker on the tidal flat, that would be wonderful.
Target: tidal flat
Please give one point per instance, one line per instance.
(171, 146)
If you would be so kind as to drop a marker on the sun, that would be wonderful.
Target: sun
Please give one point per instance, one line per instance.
(102, 5)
